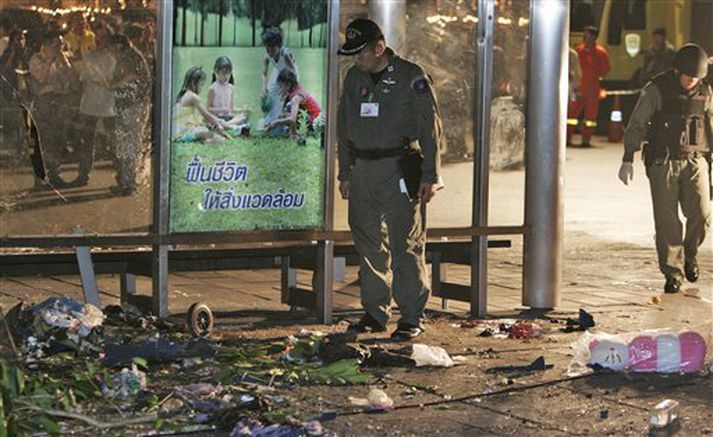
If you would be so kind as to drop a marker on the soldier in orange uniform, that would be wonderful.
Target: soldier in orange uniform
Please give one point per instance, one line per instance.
(594, 62)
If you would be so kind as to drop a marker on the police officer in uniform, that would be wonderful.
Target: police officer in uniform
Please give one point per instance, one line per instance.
(674, 117)
(387, 112)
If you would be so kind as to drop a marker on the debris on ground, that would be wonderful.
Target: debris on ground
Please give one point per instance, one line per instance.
(434, 356)
(664, 413)
(157, 349)
(77, 364)
(536, 366)
(662, 350)
(124, 384)
(376, 400)
(253, 428)
(504, 328)
(655, 300)
(583, 322)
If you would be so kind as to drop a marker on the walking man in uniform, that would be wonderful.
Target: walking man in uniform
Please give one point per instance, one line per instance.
(658, 58)
(594, 62)
(387, 113)
(674, 117)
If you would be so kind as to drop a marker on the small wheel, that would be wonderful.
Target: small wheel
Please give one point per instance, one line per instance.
(200, 320)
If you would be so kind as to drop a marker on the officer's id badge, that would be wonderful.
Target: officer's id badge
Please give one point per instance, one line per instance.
(369, 110)
(421, 84)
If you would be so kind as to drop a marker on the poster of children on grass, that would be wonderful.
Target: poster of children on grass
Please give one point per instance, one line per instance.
(247, 141)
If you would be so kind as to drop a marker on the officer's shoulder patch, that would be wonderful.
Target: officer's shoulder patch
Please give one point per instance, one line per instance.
(421, 84)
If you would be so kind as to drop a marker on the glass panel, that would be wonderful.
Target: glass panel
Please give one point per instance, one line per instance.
(75, 105)
(440, 38)
(247, 146)
(507, 140)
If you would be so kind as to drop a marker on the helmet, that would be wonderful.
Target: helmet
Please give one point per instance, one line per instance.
(691, 60)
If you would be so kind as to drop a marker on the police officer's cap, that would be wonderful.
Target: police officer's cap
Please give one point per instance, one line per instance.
(692, 60)
(360, 32)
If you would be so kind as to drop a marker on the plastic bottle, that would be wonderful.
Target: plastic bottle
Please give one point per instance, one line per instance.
(663, 413)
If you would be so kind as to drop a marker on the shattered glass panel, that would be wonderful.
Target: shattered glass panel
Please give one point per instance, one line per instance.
(76, 90)
(506, 206)
(439, 36)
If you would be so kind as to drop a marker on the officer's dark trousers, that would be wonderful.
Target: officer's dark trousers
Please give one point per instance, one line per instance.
(685, 183)
(387, 232)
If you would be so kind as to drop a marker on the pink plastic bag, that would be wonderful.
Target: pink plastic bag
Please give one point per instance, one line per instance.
(662, 350)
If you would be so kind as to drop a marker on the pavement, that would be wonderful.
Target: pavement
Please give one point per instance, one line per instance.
(609, 269)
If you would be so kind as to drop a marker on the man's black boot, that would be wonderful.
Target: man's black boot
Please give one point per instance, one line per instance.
(406, 331)
(690, 268)
(368, 324)
(673, 285)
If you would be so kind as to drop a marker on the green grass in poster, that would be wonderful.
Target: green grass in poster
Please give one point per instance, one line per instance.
(273, 164)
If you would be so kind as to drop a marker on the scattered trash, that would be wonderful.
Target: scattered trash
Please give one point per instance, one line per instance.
(537, 365)
(64, 312)
(504, 328)
(253, 428)
(525, 330)
(435, 356)
(159, 349)
(340, 372)
(648, 351)
(376, 400)
(328, 415)
(125, 384)
(582, 323)
(655, 300)
(663, 413)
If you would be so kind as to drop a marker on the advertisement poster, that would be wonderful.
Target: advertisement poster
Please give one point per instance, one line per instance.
(249, 94)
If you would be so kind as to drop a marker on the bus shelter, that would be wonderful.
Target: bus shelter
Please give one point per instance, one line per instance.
(252, 196)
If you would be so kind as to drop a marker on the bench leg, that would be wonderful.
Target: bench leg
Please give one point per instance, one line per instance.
(324, 283)
(340, 269)
(288, 277)
(127, 286)
(438, 275)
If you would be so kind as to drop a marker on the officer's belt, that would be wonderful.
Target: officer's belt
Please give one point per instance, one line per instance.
(374, 154)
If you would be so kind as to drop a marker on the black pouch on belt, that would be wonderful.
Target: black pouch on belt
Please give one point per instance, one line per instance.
(410, 163)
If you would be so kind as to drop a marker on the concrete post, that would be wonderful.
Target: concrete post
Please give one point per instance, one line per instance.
(545, 151)
(390, 15)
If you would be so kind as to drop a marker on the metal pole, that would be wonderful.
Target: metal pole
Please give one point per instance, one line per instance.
(544, 181)
(162, 154)
(481, 167)
(390, 15)
(325, 250)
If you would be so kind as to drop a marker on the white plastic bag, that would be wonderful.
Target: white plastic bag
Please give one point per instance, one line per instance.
(435, 356)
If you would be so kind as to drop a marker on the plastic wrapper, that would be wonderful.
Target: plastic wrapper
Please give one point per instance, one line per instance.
(660, 350)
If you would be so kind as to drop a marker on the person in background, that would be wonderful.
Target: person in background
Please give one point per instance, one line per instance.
(297, 103)
(658, 57)
(80, 39)
(277, 58)
(594, 62)
(133, 92)
(98, 103)
(575, 77)
(674, 119)
(14, 66)
(4, 38)
(51, 73)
